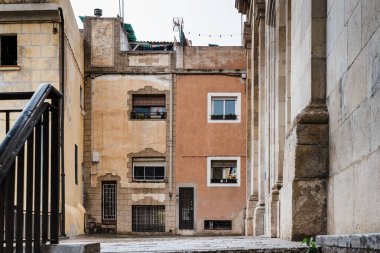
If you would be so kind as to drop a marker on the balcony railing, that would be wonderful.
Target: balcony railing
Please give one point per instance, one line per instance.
(224, 181)
(224, 117)
(148, 115)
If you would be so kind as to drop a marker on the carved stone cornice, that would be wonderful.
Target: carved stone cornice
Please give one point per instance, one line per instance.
(247, 34)
(242, 6)
(259, 10)
(271, 12)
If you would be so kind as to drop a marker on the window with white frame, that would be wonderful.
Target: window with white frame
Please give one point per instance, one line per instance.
(224, 107)
(148, 169)
(223, 171)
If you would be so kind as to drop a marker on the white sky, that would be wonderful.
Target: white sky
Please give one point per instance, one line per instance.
(152, 19)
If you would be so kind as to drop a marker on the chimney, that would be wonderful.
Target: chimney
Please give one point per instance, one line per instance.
(98, 12)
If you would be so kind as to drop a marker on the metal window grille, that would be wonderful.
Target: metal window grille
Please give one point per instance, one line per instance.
(148, 218)
(109, 201)
(218, 224)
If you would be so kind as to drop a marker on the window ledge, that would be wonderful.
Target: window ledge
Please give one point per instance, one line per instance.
(10, 68)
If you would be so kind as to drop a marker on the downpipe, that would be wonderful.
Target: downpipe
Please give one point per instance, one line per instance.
(62, 88)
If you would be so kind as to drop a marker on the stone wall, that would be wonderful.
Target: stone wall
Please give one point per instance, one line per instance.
(353, 99)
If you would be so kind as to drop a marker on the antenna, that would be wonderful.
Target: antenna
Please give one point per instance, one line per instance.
(178, 25)
(121, 9)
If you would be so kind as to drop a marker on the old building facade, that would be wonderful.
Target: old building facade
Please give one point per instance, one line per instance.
(145, 171)
(44, 45)
(313, 77)
(210, 140)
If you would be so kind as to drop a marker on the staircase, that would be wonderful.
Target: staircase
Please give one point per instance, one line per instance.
(29, 172)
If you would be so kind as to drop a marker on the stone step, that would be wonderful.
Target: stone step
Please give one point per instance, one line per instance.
(222, 244)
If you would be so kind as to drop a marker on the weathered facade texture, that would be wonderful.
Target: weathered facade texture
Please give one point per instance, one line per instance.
(200, 139)
(40, 59)
(280, 138)
(314, 85)
(120, 139)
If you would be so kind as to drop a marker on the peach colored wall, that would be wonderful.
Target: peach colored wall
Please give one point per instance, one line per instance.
(214, 58)
(196, 140)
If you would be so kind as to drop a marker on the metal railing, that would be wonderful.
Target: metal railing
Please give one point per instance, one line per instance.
(148, 115)
(30, 150)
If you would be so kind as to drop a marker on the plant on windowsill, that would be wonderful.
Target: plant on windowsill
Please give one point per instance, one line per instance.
(216, 117)
(311, 245)
(230, 116)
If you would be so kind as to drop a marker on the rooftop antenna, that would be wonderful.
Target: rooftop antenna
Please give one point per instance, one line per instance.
(178, 27)
(121, 9)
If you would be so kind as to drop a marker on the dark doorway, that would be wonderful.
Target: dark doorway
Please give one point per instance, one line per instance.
(186, 208)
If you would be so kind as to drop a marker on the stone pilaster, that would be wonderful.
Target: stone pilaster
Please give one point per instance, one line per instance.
(304, 191)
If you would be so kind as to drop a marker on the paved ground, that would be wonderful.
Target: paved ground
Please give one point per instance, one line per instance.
(191, 244)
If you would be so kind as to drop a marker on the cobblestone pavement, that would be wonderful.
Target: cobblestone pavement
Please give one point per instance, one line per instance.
(193, 244)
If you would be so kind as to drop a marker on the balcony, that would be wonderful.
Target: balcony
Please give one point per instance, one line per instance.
(148, 115)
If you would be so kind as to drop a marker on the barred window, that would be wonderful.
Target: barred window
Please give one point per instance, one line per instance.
(147, 218)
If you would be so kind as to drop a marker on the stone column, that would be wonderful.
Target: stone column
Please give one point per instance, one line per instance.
(259, 212)
(304, 192)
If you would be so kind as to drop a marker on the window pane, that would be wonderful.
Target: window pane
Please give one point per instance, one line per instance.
(230, 107)
(157, 109)
(149, 173)
(217, 107)
(160, 173)
(139, 172)
(141, 109)
(217, 173)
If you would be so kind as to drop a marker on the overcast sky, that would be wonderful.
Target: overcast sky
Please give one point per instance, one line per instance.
(152, 19)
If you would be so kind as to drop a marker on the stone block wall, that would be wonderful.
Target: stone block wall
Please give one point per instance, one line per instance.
(353, 100)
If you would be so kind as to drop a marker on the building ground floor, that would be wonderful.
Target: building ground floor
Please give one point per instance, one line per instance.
(112, 208)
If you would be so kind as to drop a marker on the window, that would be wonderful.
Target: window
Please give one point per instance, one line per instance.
(223, 171)
(217, 224)
(76, 163)
(148, 218)
(109, 202)
(148, 106)
(148, 169)
(224, 107)
(8, 50)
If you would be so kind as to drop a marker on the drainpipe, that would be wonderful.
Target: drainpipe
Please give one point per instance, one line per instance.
(62, 88)
(171, 139)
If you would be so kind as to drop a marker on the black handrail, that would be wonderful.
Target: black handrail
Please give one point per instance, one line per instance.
(25, 123)
(34, 140)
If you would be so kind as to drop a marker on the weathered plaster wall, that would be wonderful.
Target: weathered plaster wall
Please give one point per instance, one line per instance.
(74, 120)
(156, 60)
(353, 82)
(118, 139)
(114, 135)
(196, 140)
(213, 58)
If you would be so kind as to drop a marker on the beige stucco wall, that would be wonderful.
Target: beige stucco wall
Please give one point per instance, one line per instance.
(353, 101)
(114, 135)
(38, 59)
